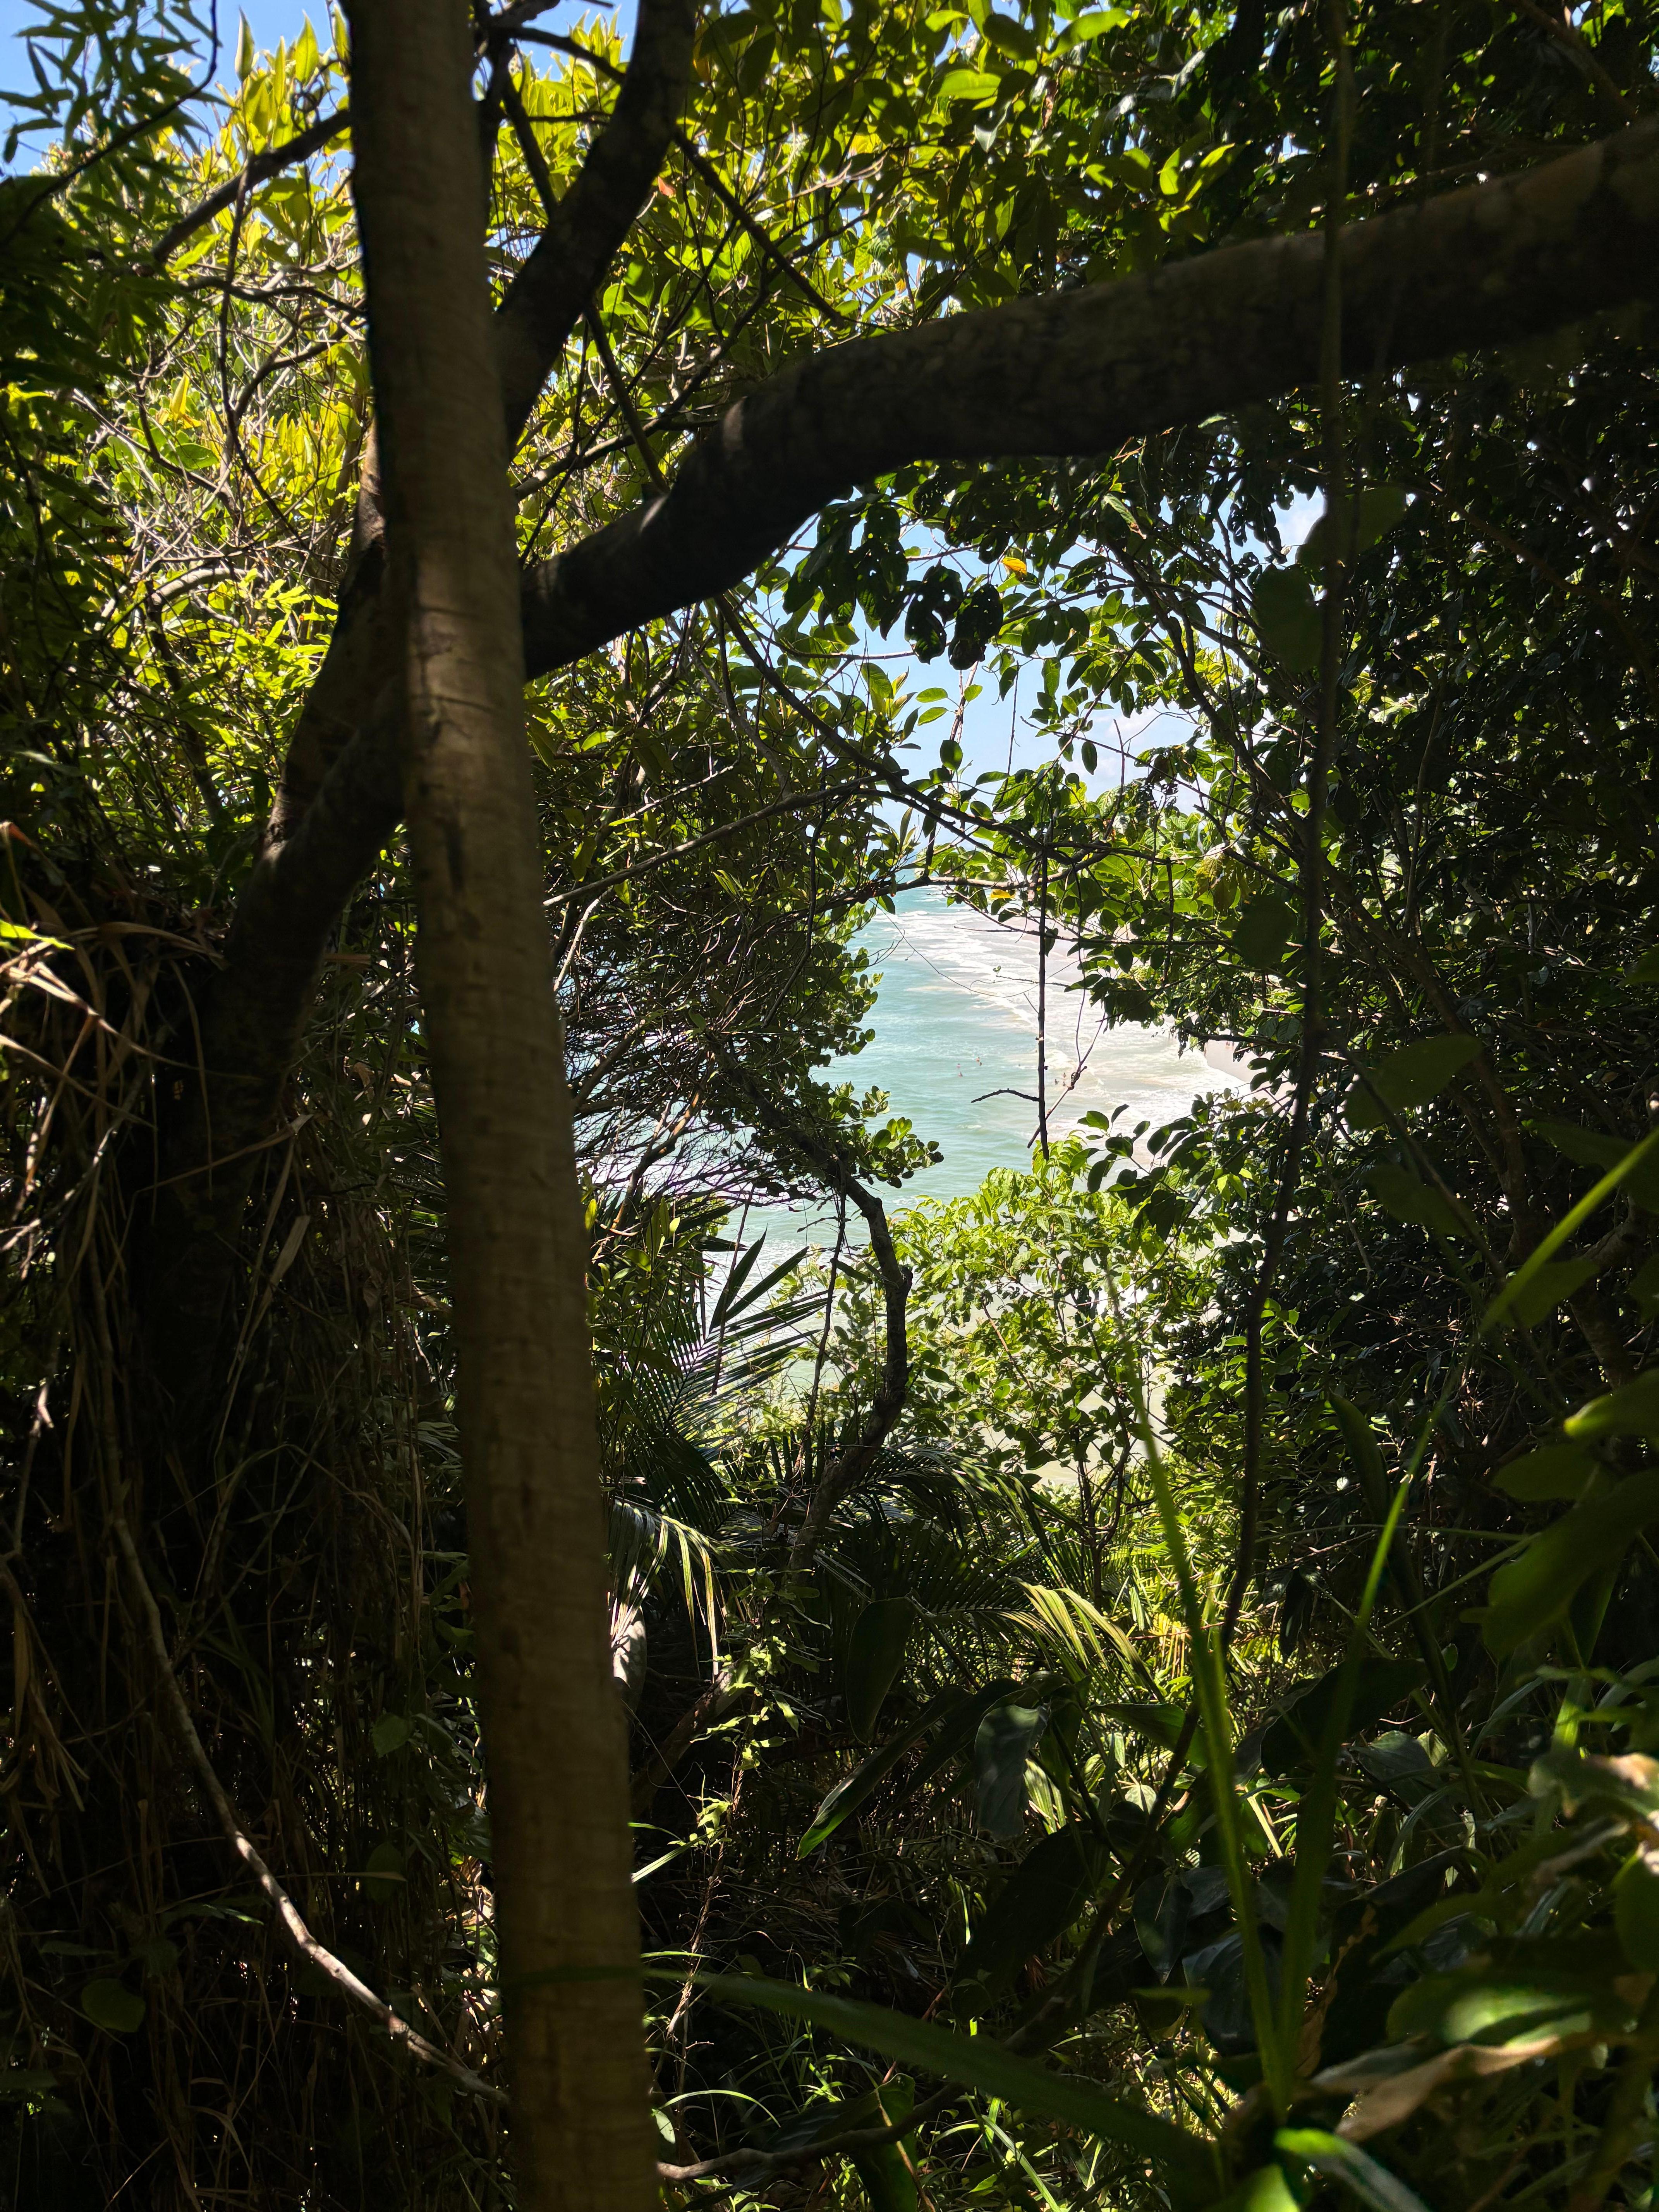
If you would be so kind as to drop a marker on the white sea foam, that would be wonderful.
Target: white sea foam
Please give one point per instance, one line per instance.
(955, 1046)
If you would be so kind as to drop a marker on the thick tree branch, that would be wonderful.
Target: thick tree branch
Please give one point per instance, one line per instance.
(543, 306)
(1078, 371)
(1067, 373)
(547, 298)
(338, 803)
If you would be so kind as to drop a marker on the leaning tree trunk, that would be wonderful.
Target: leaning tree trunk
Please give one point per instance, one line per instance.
(552, 1723)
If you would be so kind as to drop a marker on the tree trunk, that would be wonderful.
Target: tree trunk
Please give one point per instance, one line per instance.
(552, 1721)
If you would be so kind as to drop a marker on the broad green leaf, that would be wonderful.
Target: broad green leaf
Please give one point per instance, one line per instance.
(874, 1656)
(1593, 1148)
(1184, 2163)
(1002, 1746)
(1534, 1592)
(1287, 617)
(887, 2171)
(1631, 1411)
(1265, 926)
(383, 1877)
(956, 1713)
(1092, 25)
(113, 2007)
(1264, 2191)
(1646, 970)
(1552, 1471)
(1344, 2161)
(1039, 1901)
(26, 2081)
(159, 1956)
(389, 1734)
(1009, 36)
(1379, 1684)
(1554, 1282)
(1409, 1077)
(1636, 1908)
(977, 85)
(1364, 1449)
(1381, 507)
(1153, 1723)
(1406, 1195)
(1522, 1990)
(1628, 1785)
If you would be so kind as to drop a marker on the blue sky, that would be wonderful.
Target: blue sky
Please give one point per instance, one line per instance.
(269, 20)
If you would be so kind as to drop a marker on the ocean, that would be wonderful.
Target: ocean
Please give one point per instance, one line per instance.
(955, 1048)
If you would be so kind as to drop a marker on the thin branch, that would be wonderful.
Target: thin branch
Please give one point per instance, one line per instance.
(256, 171)
(292, 1926)
(662, 859)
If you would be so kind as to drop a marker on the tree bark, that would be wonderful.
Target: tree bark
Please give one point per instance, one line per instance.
(1067, 373)
(553, 1727)
(1079, 371)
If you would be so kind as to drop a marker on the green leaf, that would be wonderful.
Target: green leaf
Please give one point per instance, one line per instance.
(1154, 1724)
(1039, 1901)
(1184, 2164)
(1379, 1684)
(1406, 1195)
(977, 85)
(874, 1656)
(245, 51)
(955, 1712)
(1265, 926)
(1593, 1148)
(1552, 1471)
(1381, 507)
(159, 1957)
(1631, 1411)
(1520, 1990)
(1009, 36)
(886, 2170)
(113, 2007)
(1627, 1785)
(1287, 617)
(1410, 1077)
(1550, 1286)
(26, 2081)
(1264, 2191)
(1646, 970)
(1534, 1591)
(1001, 1747)
(1092, 25)
(1345, 2162)
(1364, 1451)
(383, 1877)
(389, 1734)
(1636, 1908)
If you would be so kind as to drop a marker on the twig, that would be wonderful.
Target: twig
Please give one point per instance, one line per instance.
(710, 175)
(256, 171)
(1567, 35)
(292, 1926)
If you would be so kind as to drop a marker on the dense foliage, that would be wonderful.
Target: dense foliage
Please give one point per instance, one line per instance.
(1143, 1678)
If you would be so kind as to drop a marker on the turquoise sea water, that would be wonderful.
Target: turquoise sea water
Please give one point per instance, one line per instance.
(955, 1023)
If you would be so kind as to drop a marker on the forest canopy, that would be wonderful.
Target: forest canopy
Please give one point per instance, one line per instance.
(1136, 1685)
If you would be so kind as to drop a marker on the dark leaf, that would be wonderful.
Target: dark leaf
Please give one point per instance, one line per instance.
(876, 1653)
(1002, 1746)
